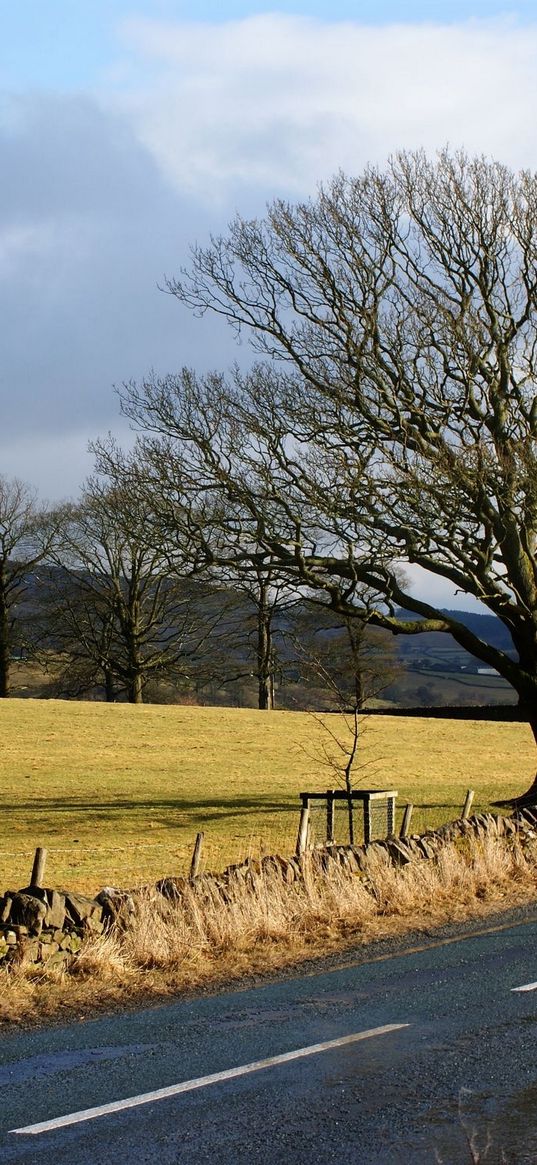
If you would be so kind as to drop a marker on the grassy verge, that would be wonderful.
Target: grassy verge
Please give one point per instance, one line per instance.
(117, 793)
(268, 925)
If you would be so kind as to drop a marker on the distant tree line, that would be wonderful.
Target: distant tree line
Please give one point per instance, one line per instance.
(111, 606)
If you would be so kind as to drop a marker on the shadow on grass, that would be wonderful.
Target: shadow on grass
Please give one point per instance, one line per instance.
(206, 809)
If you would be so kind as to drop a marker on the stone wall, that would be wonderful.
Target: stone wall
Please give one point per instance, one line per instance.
(48, 926)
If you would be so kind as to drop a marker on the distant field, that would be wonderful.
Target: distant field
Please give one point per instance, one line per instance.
(117, 793)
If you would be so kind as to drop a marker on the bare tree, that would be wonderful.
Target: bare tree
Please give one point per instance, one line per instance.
(349, 663)
(223, 552)
(27, 534)
(116, 616)
(262, 597)
(399, 414)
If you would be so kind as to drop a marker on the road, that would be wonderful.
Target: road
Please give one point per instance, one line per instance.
(429, 1052)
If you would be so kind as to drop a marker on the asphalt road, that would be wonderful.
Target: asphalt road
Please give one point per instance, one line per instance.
(459, 1078)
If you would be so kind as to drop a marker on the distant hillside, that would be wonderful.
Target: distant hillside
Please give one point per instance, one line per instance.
(439, 672)
(487, 627)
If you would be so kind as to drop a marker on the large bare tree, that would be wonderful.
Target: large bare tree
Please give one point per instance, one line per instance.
(396, 419)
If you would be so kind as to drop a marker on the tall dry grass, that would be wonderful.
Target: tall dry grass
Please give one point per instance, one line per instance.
(264, 924)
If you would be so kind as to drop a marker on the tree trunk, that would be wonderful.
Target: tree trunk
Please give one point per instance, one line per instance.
(531, 712)
(349, 768)
(264, 652)
(5, 653)
(109, 689)
(529, 707)
(135, 691)
(350, 813)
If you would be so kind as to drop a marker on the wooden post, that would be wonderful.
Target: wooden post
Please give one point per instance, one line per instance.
(303, 828)
(38, 868)
(196, 856)
(330, 816)
(407, 815)
(467, 804)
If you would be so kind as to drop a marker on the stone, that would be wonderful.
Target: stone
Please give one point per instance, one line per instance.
(169, 888)
(398, 852)
(6, 907)
(93, 925)
(28, 910)
(117, 905)
(55, 917)
(426, 848)
(59, 959)
(35, 892)
(29, 951)
(79, 908)
(47, 950)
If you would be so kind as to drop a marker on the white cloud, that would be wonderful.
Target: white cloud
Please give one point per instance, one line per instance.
(278, 102)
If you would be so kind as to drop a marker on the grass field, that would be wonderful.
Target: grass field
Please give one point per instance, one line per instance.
(117, 793)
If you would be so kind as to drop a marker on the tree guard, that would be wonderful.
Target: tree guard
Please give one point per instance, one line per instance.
(378, 810)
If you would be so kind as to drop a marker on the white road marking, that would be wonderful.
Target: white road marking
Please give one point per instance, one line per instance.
(526, 987)
(87, 1114)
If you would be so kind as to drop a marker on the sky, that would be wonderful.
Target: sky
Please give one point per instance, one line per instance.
(131, 130)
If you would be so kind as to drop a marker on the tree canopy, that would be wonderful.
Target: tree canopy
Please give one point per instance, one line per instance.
(393, 417)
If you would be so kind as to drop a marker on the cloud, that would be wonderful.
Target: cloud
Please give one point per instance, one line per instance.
(88, 227)
(280, 102)
(103, 192)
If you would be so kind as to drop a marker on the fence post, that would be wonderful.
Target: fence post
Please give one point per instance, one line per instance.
(467, 804)
(407, 816)
(367, 820)
(38, 868)
(196, 856)
(390, 816)
(303, 828)
(330, 816)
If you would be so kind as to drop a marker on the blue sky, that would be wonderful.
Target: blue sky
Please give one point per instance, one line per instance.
(70, 43)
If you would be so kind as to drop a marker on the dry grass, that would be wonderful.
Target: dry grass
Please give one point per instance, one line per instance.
(118, 793)
(269, 925)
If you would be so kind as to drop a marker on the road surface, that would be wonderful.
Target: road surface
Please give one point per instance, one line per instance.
(428, 1056)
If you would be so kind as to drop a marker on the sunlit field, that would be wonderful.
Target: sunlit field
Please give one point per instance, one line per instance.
(117, 793)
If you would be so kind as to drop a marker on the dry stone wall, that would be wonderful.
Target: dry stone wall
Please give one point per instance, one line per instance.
(48, 926)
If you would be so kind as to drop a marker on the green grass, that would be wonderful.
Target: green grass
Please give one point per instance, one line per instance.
(117, 793)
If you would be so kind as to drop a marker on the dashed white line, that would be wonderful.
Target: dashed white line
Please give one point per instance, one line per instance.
(526, 987)
(203, 1081)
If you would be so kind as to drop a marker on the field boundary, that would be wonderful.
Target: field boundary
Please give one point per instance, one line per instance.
(45, 925)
